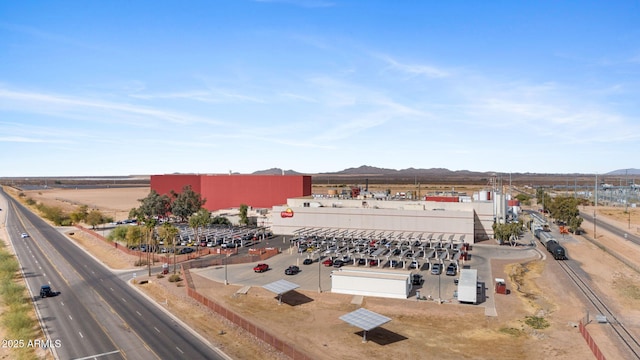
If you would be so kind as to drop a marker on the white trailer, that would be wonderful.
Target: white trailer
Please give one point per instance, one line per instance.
(371, 282)
(468, 286)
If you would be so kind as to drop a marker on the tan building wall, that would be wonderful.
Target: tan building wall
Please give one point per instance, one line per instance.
(471, 220)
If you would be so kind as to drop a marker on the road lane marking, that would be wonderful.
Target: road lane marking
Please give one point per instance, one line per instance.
(99, 355)
(156, 329)
(137, 312)
(70, 317)
(82, 336)
(181, 352)
(124, 300)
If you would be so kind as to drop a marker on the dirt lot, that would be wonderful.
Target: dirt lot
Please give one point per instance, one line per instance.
(418, 329)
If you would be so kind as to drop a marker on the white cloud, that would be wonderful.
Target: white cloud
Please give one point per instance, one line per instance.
(415, 69)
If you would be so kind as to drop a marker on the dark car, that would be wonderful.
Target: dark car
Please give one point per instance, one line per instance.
(362, 261)
(186, 250)
(417, 279)
(45, 291)
(307, 262)
(291, 270)
(261, 268)
(451, 270)
(338, 263)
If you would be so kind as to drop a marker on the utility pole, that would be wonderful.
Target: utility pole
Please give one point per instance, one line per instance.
(595, 208)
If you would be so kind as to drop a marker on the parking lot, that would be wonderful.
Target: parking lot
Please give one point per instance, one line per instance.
(317, 276)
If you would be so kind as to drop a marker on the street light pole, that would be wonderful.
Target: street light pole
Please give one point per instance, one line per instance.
(319, 286)
(226, 282)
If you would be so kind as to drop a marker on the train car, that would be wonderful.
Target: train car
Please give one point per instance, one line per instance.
(550, 243)
(545, 237)
(557, 251)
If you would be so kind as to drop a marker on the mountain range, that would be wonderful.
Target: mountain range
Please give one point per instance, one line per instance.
(376, 171)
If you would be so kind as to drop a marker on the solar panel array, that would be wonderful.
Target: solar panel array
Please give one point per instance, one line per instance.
(365, 319)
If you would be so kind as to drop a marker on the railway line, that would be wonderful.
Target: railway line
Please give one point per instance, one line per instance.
(631, 345)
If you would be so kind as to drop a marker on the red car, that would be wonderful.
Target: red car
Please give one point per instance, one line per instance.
(261, 268)
(327, 262)
(373, 262)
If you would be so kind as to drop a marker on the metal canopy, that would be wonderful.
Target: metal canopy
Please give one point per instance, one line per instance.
(281, 287)
(365, 319)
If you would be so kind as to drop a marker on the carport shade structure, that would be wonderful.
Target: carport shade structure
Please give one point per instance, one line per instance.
(365, 320)
(281, 287)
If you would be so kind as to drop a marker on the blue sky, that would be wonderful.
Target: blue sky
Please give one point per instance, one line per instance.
(152, 87)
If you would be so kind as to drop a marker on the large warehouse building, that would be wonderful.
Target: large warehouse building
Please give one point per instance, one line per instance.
(467, 222)
(230, 191)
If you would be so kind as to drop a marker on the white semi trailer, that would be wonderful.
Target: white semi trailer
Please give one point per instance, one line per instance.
(468, 286)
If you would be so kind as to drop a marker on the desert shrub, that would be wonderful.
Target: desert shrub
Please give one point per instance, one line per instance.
(30, 201)
(174, 278)
(142, 262)
(537, 322)
(511, 331)
(160, 276)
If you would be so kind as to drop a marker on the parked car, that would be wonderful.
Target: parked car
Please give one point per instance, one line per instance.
(307, 262)
(291, 270)
(414, 265)
(261, 268)
(452, 270)
(186, 250)
(362, 261)
(436, 269)
(337, 263)
(417, 279)
(327, 262)
(373, 262)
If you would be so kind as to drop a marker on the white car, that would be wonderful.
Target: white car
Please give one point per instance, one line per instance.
(24, 235)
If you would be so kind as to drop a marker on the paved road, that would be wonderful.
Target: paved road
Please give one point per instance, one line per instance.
(97, 315)
(626, 234)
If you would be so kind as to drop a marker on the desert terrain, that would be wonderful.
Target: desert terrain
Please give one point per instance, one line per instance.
(419, 329)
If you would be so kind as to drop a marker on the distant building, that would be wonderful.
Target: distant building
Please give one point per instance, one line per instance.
(230, 191)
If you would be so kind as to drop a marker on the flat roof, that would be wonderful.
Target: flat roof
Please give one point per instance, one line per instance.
(468, 277)
(369, 273)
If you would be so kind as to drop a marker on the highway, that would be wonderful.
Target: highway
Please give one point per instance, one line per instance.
(625, 234)
(96, 315)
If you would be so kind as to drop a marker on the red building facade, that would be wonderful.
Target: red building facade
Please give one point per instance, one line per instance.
(230, 191)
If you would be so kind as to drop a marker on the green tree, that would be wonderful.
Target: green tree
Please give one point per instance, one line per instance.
(155, 205)
(507, 232)
(80, 214)
(169, 234)
(244, 219)
(94, 218)
(220, 220)
(186, 203)
(119, 233)
(200, 219)
(134, 236)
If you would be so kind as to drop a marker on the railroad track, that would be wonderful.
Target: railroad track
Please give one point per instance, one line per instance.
(632, 346)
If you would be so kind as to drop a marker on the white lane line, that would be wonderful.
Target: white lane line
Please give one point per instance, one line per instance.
(124, 300)
(137, 312)
(111, 289)
(98, 355)
(70, 317)
(181, 352)
(82, 336)
(156, 329)
(62, 303)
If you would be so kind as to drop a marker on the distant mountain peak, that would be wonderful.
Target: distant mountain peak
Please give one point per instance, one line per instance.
(275, 171)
